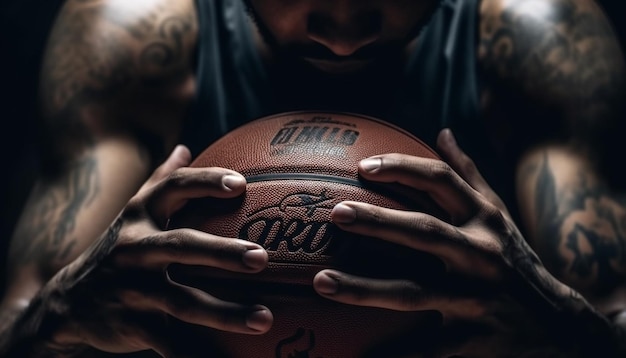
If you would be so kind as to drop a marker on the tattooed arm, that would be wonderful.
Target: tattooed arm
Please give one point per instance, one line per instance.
(578, 224)
(559, 65)
(115, 82)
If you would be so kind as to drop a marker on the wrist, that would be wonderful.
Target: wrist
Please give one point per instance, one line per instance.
(570, 319)
(37, 330)
(619, 325)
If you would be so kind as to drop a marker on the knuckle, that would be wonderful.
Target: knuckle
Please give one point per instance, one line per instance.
(395, 158)
(171, 241)
(371, 214)
(441, 171)
(180, 303)
(467, 165)
(176, 179)
(493, 216)
(356, 290)
(396, 161)
(424, 223)
(173, 307)
(134, 208)
(130, 297)
(174, 241)
(376, 216)
(137, 249)
(410, 295)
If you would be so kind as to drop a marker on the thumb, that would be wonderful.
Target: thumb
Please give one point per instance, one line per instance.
(180, 157)
(465, 167)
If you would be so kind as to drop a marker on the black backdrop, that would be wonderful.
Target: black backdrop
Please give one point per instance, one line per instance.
(24, 26)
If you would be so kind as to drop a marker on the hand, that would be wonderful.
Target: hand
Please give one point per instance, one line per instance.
(117, 296)
(495, 294)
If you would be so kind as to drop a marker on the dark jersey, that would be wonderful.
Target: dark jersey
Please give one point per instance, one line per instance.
(437, 88)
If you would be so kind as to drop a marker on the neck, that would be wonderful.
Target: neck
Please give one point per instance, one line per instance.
(297, 85)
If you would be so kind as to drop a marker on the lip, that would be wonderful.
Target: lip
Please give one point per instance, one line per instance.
(339, 67)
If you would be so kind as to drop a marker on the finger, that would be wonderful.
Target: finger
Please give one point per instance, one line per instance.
(399, 295)
(433, 176)
(127, 330)
(421, 232)
(190, 183)
(180, 157)
(191, 247)
(465, 166)
(197, 307)
(152, 332)
(160, 343)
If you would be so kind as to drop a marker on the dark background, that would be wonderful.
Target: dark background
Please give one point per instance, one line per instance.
(23, 29)
(24, 25)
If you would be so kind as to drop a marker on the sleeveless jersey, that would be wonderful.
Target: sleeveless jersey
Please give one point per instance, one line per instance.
(439, 86)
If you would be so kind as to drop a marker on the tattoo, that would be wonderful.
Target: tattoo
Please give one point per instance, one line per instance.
(7, 318)
(169, 49)
(79, 64)
(106, 244)
(95, 256)
(569, 320)
(30, 332)
(131, 46)
(23, 334)
(564, 57)
(48, 236)
(96, 53)
(546, 209)
(530, 268)
(584, 230)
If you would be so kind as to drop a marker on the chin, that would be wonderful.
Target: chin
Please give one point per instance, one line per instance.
(347, 67)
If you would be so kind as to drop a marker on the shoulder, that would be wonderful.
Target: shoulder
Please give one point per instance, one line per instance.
(557, 62)
(100, 46)
(535, 35)
(137, 26)
(114, 68)
(138, 20)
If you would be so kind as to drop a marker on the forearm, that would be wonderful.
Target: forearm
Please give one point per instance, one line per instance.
(67, 213)
(570, 320)
(570, 324)
(576, 225)
(61, 219)
(591, 332)
(31, 330)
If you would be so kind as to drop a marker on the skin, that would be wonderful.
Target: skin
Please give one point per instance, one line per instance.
(117, 80)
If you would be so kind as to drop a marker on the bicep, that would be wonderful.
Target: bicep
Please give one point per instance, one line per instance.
(111, 109)
(111, 70)
(65, 213)
(575, 221)
(559, 64)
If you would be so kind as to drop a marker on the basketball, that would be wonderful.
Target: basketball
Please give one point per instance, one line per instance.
(298, 165)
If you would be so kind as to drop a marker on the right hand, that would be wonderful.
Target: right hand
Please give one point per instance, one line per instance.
(117, 296)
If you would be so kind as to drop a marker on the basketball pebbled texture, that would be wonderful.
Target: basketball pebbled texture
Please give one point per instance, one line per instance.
(298, 166)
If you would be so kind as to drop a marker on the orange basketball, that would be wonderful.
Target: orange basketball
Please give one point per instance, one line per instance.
(298, 165)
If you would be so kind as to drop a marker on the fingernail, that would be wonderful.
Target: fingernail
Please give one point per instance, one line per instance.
(451, 139)
(371, 164)
(342, 213)
(326, 285)
(179, 148)
(259, 320)
(233, 182)
(181, 154)
(255, 258)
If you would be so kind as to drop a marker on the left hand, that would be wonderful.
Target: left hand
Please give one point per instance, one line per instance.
(496, 291)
